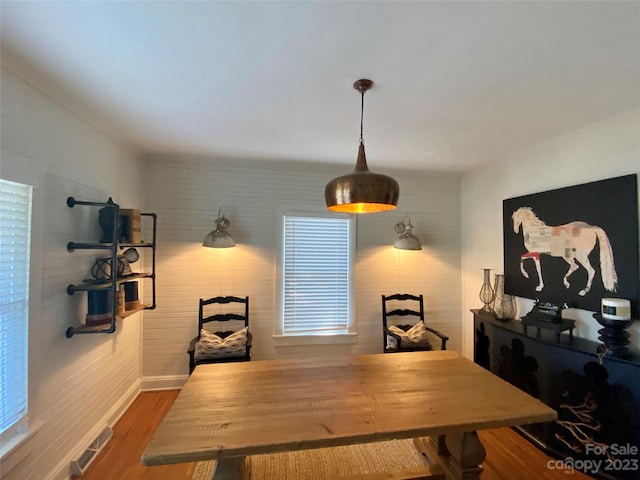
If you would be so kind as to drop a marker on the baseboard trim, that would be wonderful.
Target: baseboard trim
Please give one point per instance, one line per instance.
(166, 382)
(115, 413)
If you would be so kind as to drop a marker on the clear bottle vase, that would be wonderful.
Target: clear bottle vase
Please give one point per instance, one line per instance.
(504, 305)
(486, 292)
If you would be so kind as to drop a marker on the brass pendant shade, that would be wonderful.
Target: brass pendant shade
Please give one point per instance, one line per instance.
(362, 191)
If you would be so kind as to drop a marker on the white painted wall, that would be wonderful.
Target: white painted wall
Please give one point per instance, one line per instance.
(607, 149)
(79, 384)
(76, 385)
(186, 195)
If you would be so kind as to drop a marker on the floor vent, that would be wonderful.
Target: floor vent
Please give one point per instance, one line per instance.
(80, 465)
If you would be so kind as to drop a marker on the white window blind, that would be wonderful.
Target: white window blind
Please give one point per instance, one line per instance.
(316, 275)
(15, 242)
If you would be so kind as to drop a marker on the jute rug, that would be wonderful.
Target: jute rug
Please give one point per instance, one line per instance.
(328, 463)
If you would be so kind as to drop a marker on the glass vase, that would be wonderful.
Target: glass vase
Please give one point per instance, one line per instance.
(486, 292)
(504, 305)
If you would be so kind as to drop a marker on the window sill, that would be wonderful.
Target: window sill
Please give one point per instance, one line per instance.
(11, 451)
(290, 340)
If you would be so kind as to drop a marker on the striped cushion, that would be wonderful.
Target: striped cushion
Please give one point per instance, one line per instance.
(211, 345)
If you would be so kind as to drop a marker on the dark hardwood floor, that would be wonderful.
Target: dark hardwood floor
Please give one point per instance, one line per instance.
(509, 456)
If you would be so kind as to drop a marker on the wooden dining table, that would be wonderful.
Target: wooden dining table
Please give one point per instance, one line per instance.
(232, 411)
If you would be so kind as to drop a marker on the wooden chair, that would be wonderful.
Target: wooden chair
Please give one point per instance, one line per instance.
(389, 333)
(219, 324)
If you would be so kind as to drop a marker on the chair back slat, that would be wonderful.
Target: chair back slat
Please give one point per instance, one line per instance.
(223, 317)
(228, 299)
(403, 313)
(403, 296)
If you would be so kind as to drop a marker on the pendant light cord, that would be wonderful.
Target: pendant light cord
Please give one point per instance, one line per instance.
(361, 115)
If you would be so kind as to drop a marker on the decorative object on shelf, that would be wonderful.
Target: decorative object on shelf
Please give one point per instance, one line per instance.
(545, 311)
(99, 307)
(120, 309)
(131, 300)
(504, 305)
(101, 269)
(486, 292)
(614, 334)
(407, 240)
(108, 220)
(219, 238)
(362, 191)
(615, 308)
(549, 316)
(131, 255)
(130, 225)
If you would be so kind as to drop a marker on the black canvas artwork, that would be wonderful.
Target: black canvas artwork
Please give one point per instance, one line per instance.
(576, 244)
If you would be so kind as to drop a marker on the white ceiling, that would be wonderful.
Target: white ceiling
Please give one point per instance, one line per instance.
(457, 83)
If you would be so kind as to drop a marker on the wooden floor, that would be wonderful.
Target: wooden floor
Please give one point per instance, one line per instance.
(509, 456)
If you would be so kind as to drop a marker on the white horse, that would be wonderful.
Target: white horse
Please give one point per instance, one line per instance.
(572, 242)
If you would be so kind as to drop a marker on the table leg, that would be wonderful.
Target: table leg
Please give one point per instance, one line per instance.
(460, 456)
(235, 468)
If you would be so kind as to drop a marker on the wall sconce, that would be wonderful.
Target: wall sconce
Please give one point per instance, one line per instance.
(406, 240)
(219, 238)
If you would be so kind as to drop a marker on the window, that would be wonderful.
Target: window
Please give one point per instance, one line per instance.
(15, 245)
(315, 274)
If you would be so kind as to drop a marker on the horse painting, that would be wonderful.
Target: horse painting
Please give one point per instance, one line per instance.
(573, 242)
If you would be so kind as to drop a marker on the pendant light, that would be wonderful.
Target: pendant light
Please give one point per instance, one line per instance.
(362, 191)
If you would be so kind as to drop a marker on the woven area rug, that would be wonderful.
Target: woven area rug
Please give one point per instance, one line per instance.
(328, 463)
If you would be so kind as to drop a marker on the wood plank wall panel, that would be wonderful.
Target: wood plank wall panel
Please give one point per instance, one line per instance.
(187, 192)
(78, 384)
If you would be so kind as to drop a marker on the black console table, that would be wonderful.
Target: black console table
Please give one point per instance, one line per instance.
(596, 396)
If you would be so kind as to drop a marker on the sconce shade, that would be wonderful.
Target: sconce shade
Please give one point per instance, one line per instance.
(407, 240)
(219, 238)
(362, 191)
(215, 239)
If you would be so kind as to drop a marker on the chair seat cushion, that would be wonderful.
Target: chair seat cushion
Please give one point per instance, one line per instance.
(416, 337)
(211, 345)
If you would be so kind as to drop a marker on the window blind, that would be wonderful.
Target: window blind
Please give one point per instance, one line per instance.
(316, 273)
(15, 242)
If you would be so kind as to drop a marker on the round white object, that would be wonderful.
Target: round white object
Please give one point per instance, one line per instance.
(616, 309)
